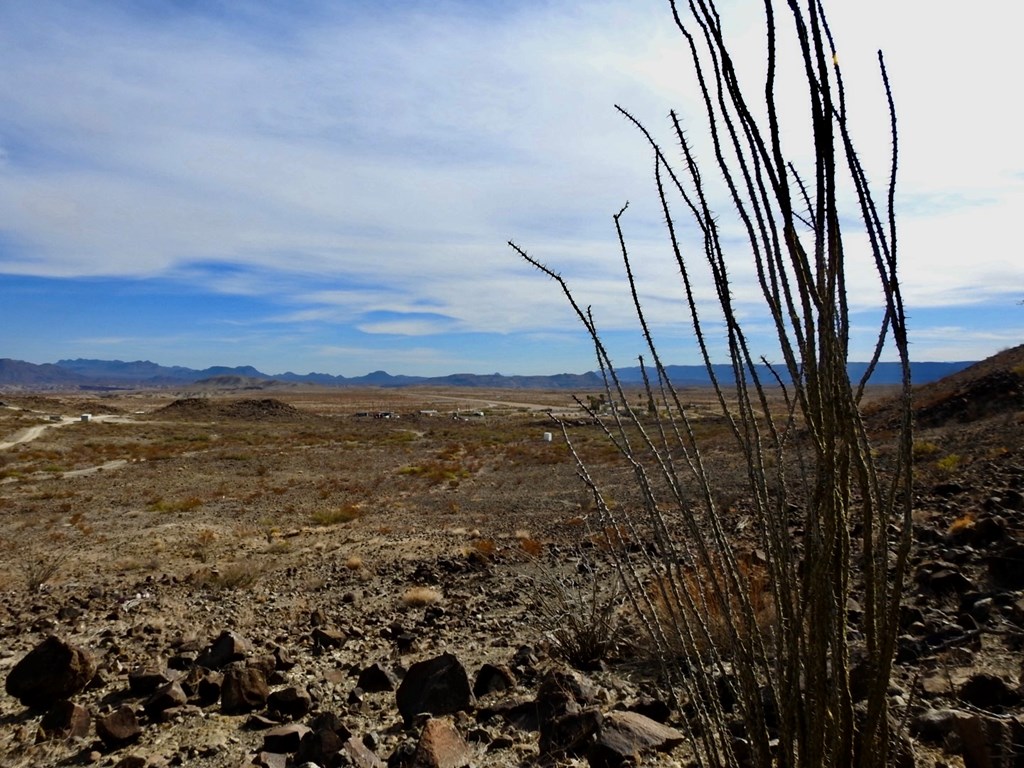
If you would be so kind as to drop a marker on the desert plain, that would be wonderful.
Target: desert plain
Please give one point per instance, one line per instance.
(334, 540)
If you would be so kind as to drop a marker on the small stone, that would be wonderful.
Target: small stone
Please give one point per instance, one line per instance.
(118, 728)
(492, 678)
(291, 702)
(228, 647)
(285, 738)
(167, 696)
(65, 720)
(376, 678)
(441, 746)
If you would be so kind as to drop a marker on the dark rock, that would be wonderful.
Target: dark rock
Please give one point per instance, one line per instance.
(320, 747)
(656, 709)
(947, 580)
(377, 678)
(163, 698)
(132, 761)
(65, 720)
(243, 690)
(988, 691)
(1007, 566)
(991, 742)
(228, 647)
(438, 686)
(934, 725)
(360, 755)
(570, 734)
(143, 680)
(208, 688)
(492, 678)
(292, 702)
(623, 736)
(441, 746)
(118, 728)
(271, 760)
(285, 738)
(52, 671)
(324, 638)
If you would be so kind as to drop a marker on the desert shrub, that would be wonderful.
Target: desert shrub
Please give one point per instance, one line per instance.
(924, 449)
(203, 543)
(949, 464)
(336, 515)
(579, 611)
(39, 571)
(420, 597)
(185, 504)
(240, 575)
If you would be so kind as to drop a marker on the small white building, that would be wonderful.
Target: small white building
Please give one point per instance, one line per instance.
(86, 417)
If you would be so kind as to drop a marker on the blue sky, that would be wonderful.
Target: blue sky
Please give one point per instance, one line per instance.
(329, 186)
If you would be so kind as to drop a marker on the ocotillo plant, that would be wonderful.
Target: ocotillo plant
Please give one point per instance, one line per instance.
(766, 625)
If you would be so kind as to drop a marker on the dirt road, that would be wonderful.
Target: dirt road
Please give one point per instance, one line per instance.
(31, 433)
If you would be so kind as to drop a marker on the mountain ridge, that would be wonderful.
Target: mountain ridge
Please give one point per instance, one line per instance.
(83, 373)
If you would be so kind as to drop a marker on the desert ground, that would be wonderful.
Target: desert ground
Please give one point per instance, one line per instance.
(333, 540)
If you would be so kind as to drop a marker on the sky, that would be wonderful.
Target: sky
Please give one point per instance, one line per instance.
(330, 185)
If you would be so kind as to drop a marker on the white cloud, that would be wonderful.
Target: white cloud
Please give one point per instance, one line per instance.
(354, 162)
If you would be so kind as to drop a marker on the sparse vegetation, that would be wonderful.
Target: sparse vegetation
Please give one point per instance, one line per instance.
(420, 597)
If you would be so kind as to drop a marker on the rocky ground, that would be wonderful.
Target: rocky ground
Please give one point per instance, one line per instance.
(305, 578)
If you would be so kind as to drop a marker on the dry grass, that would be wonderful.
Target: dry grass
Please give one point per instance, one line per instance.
(701, 605)
(336, 515)
(420, 597)
(40, 571)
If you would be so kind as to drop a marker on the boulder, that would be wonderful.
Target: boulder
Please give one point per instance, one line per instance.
(437, 686)
(52, 671)
(244, 689)
(624, 736)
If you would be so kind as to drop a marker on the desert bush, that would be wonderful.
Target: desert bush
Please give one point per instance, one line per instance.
(240, 575)
(420, 597)
(580, 611)
(947, 465)
(335, 515)
(795, 427)
(39, 571)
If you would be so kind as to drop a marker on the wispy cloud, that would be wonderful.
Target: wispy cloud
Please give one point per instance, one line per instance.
(339, 160)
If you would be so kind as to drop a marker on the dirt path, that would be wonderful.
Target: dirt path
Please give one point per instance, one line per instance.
(31, 433)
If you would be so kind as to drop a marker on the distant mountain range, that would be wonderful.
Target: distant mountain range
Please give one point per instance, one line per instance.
(140, 374)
